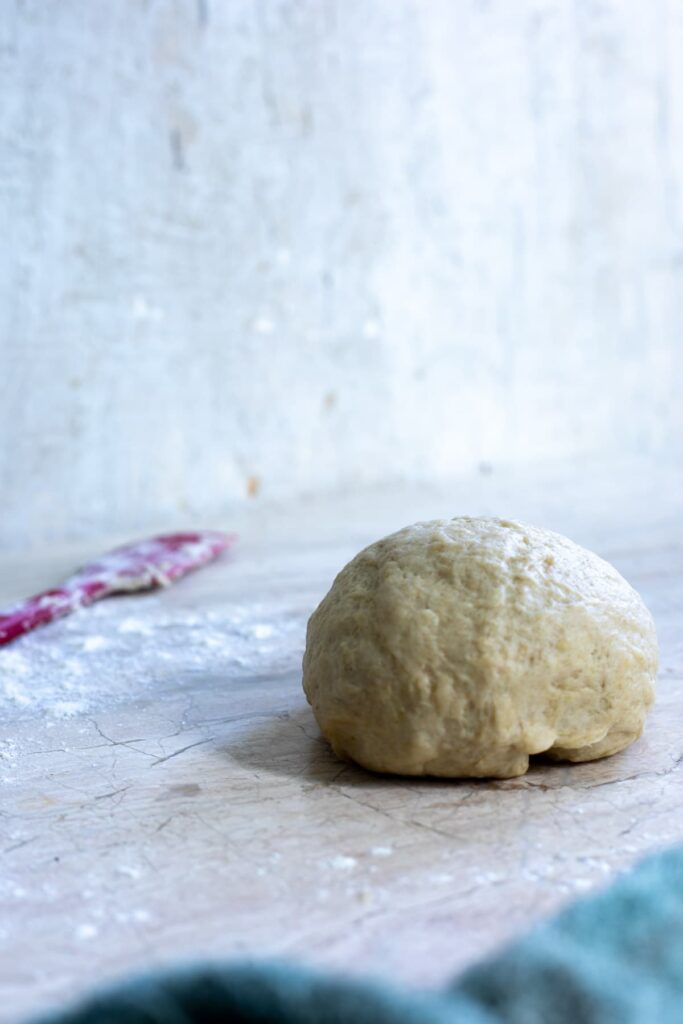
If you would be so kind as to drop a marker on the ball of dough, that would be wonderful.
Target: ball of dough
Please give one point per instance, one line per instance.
(460, 647)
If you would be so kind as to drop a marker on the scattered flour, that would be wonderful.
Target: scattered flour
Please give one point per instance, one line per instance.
(95, 643)
(120, 650)
(68, 708)
(261, 630)
(14, 692)
(129, 871)
(131, 625)
(341, 863)
(138, 916)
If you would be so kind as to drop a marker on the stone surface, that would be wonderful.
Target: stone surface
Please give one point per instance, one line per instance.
(164, 792)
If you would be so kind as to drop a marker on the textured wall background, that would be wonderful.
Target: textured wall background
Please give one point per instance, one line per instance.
(290, 246)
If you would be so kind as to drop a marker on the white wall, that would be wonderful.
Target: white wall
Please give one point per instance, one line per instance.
(328, 242)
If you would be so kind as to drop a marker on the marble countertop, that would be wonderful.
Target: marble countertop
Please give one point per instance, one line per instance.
(165, 794)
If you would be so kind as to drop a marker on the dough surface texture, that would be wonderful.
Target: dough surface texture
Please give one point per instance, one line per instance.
(459, 647)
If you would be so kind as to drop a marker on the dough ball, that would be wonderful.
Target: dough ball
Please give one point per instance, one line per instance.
(460, 647)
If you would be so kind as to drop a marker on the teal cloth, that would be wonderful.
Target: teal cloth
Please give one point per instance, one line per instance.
(616, 958)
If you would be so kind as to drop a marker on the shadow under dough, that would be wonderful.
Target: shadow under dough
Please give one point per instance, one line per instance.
(290, 745)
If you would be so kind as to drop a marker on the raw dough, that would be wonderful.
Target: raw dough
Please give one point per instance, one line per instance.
(460, 647)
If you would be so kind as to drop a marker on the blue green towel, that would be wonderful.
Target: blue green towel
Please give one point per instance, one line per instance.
(616, 958)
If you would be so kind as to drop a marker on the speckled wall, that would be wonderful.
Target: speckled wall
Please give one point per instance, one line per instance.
(257, 248)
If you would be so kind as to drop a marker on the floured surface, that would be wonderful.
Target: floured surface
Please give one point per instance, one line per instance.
(165, 793)
(119, 650)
